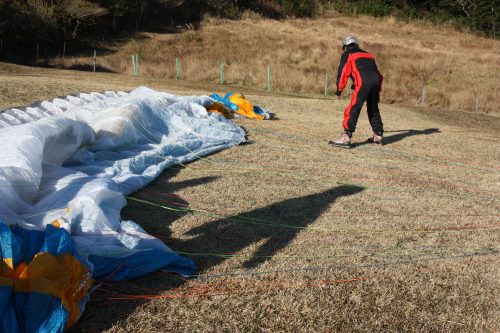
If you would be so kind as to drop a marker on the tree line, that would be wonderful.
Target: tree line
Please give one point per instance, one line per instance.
(54, 21)
(479, 16)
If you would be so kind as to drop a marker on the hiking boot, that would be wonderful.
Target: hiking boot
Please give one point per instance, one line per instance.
(378, 139)
(344, 141)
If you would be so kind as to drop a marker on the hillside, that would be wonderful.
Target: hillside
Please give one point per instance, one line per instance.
(291, 235)
(453, 70)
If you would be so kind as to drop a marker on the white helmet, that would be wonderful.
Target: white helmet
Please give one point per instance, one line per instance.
(348, 40)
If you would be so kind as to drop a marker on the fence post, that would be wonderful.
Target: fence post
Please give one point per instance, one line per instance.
(326, 84)
(95, 55)
(64, 50)
(177, 68)
(222, 72)
(268, 78)
(137, 64)
(133, 64)
(477, 102)
(424, 96)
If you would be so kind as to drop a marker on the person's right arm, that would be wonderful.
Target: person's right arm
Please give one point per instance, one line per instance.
(343, 73)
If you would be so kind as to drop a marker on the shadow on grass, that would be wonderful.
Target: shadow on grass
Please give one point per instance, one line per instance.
(157, 221)
(401, 134)
(90, 68)
(276, 225)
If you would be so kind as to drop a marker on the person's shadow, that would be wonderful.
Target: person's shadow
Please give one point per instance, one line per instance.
(401, 134)
(276, 225)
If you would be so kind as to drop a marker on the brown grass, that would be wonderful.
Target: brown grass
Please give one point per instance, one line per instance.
(396, 238)
(454, 67)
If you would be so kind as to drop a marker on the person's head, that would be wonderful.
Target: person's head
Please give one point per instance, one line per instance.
(349, 42)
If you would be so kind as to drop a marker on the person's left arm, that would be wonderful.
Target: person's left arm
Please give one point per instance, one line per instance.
(380, 79)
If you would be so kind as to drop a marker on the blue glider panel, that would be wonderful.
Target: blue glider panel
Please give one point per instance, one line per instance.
(141, 263)
(8, 319)
(19, 244)
(225, 100)
(40, 313)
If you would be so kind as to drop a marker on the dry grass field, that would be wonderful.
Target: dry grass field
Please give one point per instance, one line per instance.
(291, 235)
(453, 67)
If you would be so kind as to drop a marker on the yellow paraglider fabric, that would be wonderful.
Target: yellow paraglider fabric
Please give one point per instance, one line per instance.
(245, 108)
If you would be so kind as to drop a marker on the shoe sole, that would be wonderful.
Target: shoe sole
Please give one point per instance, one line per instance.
(340, 145)
(381, 143)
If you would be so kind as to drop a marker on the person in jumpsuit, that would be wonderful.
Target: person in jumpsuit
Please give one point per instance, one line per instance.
(361, 67)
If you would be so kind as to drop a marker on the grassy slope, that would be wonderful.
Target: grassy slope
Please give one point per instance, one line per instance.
(410, 219)
(453, 66)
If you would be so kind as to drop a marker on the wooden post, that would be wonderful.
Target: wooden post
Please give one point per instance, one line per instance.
(424, 96)
(136, 64)
(478, 106)
(326, 84)
(64, 50)
(95, 55)
(133, 64)
(222, 72)
(268, 78)
(177, 68)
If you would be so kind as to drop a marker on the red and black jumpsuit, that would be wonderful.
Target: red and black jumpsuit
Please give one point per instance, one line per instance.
(360, 66)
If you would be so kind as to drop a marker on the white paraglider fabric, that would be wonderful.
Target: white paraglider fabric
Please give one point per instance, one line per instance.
(73, 160)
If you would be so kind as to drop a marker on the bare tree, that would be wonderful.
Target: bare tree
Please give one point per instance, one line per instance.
(467, 6)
